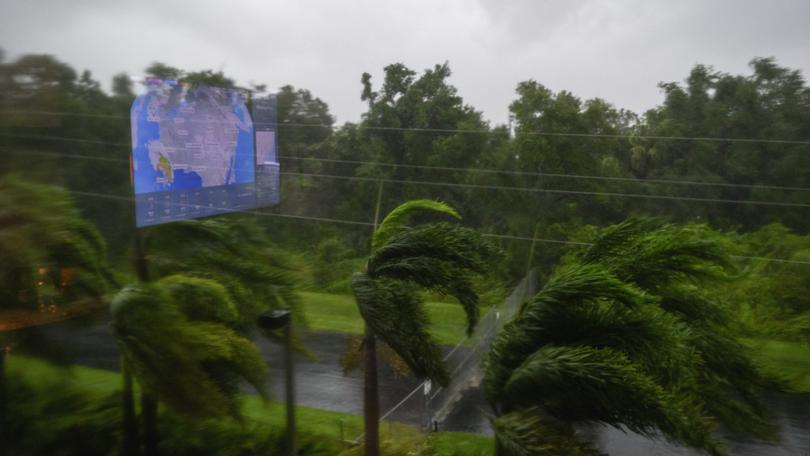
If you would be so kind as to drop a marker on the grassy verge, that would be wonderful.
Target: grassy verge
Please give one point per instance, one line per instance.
(788, 360)
(338, 313)
(398, 438)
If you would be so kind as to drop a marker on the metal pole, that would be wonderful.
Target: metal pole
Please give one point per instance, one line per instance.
(292, 444)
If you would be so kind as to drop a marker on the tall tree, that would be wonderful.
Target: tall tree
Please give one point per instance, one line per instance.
(421, 120)
(226, 258)
(772, 103)
(441, 257)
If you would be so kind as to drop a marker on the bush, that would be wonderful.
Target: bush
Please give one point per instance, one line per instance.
(51, 415)
(226, 437)
(332, 266)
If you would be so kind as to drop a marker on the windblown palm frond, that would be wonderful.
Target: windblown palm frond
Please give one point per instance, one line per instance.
(395, 313)
(41, 229)
(649, 336)
(191, 365)
(527, 433)
(233, 252)
(730, 384)
(669, 261)
(397, 219)
(583, 384)
(202, 300)
(440, 257)
(572, 287)
(653, 255)
(690, 304)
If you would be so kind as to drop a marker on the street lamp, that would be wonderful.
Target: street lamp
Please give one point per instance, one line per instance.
(271, 321)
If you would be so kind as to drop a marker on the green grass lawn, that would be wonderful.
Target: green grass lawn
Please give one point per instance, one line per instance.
(338, 313)
(788, 360)
(398, 437)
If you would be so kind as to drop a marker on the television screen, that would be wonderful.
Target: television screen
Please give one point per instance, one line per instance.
(193, 153)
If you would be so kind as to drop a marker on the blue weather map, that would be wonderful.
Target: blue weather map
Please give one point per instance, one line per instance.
(187, 138)
(192, 152)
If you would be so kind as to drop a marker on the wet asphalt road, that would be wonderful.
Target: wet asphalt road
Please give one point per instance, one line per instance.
(320, 382)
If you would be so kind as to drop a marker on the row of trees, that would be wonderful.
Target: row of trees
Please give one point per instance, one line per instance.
(659, 354)
(555, 141)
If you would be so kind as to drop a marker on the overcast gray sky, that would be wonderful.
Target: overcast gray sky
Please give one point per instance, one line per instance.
(617, 50)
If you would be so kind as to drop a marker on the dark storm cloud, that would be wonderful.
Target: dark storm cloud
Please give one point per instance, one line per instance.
(617, 50)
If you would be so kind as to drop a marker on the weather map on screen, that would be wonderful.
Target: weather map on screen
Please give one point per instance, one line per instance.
(192, 152)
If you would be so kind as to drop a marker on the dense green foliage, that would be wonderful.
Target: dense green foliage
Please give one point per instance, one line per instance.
(415, 120)
(642, 329)
(233, 251)
(176, 337)
(625, 335)
(50, 258)
(51, 254)
(74, 411)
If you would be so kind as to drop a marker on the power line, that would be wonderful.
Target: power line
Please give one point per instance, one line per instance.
(66, 139)
(468, 131)
(448, 168)
(552, 191)
(555, 175)
(366, 224)
(70, 156)
(351, 222)
(515, 189)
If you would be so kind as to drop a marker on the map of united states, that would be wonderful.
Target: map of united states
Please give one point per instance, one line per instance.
(190, 137)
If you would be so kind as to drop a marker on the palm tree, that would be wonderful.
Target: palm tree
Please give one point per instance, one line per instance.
(441, 257)
(171, 331)
(678, 265)
(234, 254)
(45, 244)
(624, 336)
(177, 338)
